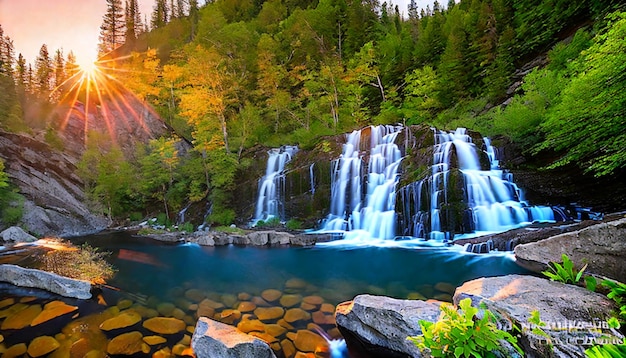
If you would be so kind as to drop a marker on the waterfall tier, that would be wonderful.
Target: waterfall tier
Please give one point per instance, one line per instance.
(270, 199)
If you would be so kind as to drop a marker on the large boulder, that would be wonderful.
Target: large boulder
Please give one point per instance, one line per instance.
(602, 246)
(216, 339)
(572, 314)
(48, 281)
(15, 234)
(378, 326)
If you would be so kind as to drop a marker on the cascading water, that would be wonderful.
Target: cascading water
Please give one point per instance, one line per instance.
(490, 201)
(363, 197)
(271, 186)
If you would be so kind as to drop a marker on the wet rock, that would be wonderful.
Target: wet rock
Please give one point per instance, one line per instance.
(307, 341)
(296, 314)
(271, 295)
(269, 313)
(246, 307)
(327, 308)
(514, 297)
(21, 318)
(15, 234)
(16, 350)
(288, 348)
(229, 316)
(322, 318)
(290, 300)
(445, 287)
(52, 310)
(6, 302)
(296, 284)
(380, 325)
(267, 338)
(244, 296)
(275, 330)
(195, 295)
(240, 240)
(127, 344)
(48, 281)
(166, 308)
(229, 300)
(154, 340)
(125, 319)
(215, 339)
(42, 345)
(250, 325)
(602, 246)
(164, 325)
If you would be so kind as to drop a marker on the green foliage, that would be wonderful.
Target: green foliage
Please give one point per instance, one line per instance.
(135, 216)
(293, 224)
(606, 351)
(82, 263)
(222, 217)
(11, 207)
(52, 138)
(537, 323)
(566, 272)
(460, 333)
(230, 230)
(186, 227)
(4, 178)
(618, 294)
(272, 222)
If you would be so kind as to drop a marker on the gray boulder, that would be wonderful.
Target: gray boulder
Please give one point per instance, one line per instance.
(572, 314)
(16, 234)
(602, 246)
(261, 238)
(51, 282)
(215, 339)
(380, 325)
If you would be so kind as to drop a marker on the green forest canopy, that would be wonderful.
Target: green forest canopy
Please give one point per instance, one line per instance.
(235, 73)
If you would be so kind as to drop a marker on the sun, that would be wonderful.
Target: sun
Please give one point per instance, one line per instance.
(88, 68)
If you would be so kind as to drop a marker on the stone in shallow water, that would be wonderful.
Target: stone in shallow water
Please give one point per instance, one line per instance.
(125, 319)
(445, 287)
(123, 304)
(313, 300)
(275, 330)
(251, 325)
(246, 307)
(295, 284)
(154, 340)
(12, 310)
(6, 302)
(52, 310)
(288, 348)
(215, 339)
(229, 316)
(290, 300)
(42, 345)
(16, 350)
(229, 300)
(22, 318)
(327, 308)
(127, 344)
(269, 313)
(265, 337)
(307, 341)
(271, 295)
(164, 325)
(296, 314)
(166, 308)
(195, 295)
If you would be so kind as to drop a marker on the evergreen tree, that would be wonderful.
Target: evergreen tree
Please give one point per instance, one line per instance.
(7, 54)
(43, 71)
(131, 16)
(21, 70)
(60, 74)
(112, 32)
(71, 67)
(159, 14)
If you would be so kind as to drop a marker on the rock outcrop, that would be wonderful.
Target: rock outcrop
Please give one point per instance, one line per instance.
(378, 326)
(48, 281)
(601, 246)
(215, 339)
(572, 314)
(15, 234)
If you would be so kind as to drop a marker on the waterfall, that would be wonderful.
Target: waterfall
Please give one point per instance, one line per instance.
(488, 200)
(271, 186)
(363, 195)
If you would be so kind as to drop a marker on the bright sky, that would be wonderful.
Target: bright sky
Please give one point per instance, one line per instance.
(75, 24)
(60, 24)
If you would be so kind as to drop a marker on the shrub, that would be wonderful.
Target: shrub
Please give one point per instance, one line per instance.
(82, 263)
(269, 223)
(186, 227)
(293, 224)
(460, 333)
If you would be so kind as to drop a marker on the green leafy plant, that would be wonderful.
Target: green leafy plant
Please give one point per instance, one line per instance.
(617, 294)
(293, 224)
(82, 263)
(606, 351)
(186, 227)
(537, 323)
(271, 222)
(461, 333)
(566, 272)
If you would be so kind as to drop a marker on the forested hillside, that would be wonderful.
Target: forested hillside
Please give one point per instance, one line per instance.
(236, 73)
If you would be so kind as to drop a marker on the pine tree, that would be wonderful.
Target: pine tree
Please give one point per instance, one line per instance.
(112, 29)
(21, 70)
(43, 71)
(7, 54)
(60, 74)
(133, 21)
(159, 15)
(71, 67)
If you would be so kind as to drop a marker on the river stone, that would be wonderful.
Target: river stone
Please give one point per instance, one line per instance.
(42, 345)
(250, 325)
(296, 314)
(6, 302)
(127, 344)
(195, 295)
(307, 341)
(215, 339)
(313, 300)
(246, 307)
(16, 234)
(291, 300)
(280, 238)
(275, 330)
(64, 286)
(21, 318)
(602, 246)
(16, 350)
(154, 340)
(514, 297)
(258, 238)
(382, 324)
(271, 295)
(288, 348)
(123, 320)
(269, 313)
(164, 325)
(296, 284)
(52, 310)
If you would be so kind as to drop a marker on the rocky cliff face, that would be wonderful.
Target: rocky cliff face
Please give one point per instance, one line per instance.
(46, 177)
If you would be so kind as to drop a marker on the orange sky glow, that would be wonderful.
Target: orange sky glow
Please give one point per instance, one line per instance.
(70, 25)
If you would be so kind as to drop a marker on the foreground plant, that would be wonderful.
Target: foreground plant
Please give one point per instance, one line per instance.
(460, 333)
(566, 272)
(82, 263)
